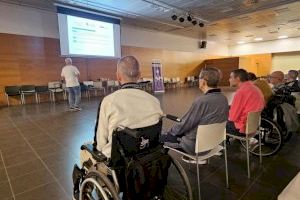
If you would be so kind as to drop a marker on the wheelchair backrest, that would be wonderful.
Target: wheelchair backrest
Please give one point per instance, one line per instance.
(139, 141)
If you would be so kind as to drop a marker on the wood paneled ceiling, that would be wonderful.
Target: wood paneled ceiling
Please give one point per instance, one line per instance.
(228, 21)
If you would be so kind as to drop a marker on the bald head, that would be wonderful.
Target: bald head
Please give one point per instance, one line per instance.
(292, 75)
(276, 77)
(128, 70)
(68, 61)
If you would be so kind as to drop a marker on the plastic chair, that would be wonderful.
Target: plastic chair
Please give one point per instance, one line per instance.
(42, 90)
(28, 90)
(252, 125)
(12, 91)
(55, 87)
(209, 137)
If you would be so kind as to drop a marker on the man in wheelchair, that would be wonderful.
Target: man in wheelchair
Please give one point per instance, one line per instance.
(116, 149)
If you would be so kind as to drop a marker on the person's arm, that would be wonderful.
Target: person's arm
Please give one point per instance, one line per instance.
(102, 134)
(235, 107)
(189, 121)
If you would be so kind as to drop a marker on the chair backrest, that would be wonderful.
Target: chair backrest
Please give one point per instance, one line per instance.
(209, 136)
(98, 84)
(253, 122)
(133, 142)
(110, 83)
(42, 88)
(12, 90)
(27, 88)
(54, 84)
(88, 83)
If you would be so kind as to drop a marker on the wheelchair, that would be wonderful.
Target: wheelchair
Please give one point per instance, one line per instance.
(139, 168)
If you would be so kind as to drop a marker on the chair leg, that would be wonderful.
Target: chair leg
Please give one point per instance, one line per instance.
(7, 99)
(247, 150)
(36, 98)
(259, 143)
(198, 178)
(226, 166)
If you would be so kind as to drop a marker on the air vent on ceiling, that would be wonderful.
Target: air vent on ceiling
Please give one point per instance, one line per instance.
(212, 35)
(261, 26)
(250, 2)
(249, 36)
(281, 10)
(294, 20)
(244, 18)
(234, 31)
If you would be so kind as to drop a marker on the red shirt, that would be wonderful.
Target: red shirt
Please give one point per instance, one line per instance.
(248, 98)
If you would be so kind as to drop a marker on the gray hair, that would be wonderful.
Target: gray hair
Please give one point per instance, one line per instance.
(68, 61)
(129, 67)
(211, 75)
(293, 74)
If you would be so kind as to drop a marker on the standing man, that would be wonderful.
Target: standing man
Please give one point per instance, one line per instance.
(248, 98)
(70, 74)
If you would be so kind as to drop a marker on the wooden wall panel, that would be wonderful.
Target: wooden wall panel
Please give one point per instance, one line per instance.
(36, 60)
(227, 65)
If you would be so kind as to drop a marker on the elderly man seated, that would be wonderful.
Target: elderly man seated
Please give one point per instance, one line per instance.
(130, 107)
(210, 108)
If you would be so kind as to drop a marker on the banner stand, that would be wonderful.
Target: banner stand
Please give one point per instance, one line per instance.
(158, 82)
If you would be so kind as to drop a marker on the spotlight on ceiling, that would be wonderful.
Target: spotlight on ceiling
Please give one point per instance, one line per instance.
(201, 24)
(181, 19)
(174, 17)
(194, 22)
(189, 18)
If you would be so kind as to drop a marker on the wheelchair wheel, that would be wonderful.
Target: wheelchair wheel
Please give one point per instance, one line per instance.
(97, 186)
(178, 186)
(271, 139)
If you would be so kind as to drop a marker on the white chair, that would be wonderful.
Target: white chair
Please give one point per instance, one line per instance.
(110, 85)
(252, 128)
(99, 87)
(209, 137)
(55, 87)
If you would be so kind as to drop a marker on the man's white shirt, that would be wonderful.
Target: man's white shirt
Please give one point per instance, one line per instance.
(70, 73)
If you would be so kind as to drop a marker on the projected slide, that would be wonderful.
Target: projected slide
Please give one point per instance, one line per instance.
(90, 37)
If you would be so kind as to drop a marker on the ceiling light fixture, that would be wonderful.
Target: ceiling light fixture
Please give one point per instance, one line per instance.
(282, 37)
(241, 42)
(258, 39)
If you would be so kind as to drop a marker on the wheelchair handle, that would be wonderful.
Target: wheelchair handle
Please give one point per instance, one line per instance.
(172, 117)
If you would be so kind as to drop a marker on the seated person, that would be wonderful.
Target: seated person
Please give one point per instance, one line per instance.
(262, 85)
(276, 80)
(292, 81)
(130, 107)
(248, 98)
(212, 107)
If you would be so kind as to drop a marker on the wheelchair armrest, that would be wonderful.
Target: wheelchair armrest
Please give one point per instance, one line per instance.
(97, 155)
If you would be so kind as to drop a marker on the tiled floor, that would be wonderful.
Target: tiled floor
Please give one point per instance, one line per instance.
(40, 143)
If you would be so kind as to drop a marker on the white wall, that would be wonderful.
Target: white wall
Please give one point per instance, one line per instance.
(132, 36)
(275, 46)
(286, 61)
(22, 20)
